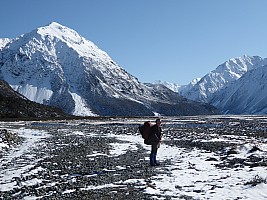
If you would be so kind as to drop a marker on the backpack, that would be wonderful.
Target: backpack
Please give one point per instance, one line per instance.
(145, 131)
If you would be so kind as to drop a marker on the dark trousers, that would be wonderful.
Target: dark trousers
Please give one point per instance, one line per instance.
(153, 155)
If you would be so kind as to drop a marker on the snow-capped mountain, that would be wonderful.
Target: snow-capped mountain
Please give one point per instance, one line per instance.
(172, 86)
(56, 66)
(181, 89)
(247, 95)
(185, 88)
(223, 75)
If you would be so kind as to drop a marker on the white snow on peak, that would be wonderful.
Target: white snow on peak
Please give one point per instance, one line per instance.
(172, 86)
(83, 46)
(239, 65)
(223, 75)
(4, 42)
(181, 89)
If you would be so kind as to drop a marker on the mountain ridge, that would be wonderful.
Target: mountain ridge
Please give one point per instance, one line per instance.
(234, 87)
(225, 73)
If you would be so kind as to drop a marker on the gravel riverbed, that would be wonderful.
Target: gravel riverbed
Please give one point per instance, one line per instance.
(106, 159)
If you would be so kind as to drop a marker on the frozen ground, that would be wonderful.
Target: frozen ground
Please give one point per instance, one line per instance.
(212, 157)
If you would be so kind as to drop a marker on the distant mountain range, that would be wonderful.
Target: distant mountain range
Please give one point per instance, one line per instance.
(237, 86)
(54, 65)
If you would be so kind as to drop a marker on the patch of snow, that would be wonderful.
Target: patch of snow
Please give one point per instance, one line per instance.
(81, 109)
(8, 176)
(122, 148)
(68, 191)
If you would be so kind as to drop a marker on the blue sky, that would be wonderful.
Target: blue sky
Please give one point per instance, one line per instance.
(168, 40)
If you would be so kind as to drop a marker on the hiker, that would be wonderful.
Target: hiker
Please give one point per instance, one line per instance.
(155, 139)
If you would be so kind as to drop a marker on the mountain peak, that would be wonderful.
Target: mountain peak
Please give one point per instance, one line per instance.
(55, 24)
(57, 30)
(72, 39)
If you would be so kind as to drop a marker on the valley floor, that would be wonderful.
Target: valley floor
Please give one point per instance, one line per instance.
(202, 157)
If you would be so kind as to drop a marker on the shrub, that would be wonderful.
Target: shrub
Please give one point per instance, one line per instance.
(256, 180)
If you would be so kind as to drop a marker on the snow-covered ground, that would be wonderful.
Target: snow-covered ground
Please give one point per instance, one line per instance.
(201, 158)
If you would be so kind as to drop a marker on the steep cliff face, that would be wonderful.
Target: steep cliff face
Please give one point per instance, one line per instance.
(14, 105)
